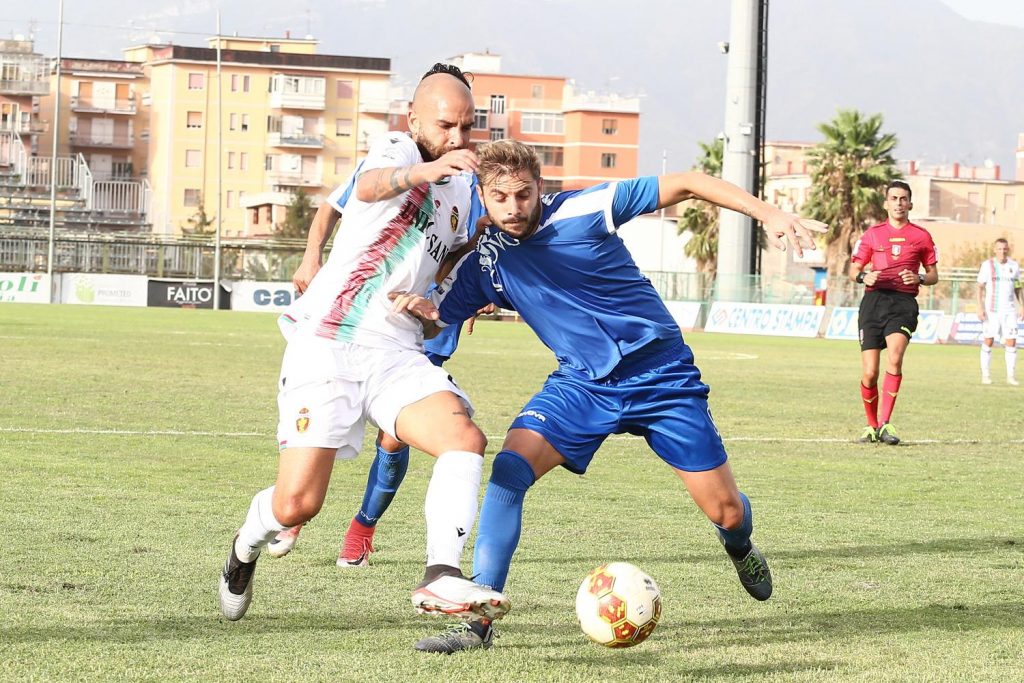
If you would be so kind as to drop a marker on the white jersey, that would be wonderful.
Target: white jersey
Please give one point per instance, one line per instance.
(391, 245)
(1001, 281)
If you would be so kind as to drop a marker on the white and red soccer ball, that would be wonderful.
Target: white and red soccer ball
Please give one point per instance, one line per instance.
(618, 605)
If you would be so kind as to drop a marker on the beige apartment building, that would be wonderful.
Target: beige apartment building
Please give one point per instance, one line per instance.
(582, 138)
(281, 118)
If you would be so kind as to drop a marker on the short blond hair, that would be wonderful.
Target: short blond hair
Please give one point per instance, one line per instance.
(506, 158)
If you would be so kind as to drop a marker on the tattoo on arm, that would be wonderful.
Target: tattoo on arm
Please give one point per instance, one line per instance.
(395, 184)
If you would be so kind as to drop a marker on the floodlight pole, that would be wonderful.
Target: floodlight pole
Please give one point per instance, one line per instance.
(220, 177)
(53, 154)
(735, 230)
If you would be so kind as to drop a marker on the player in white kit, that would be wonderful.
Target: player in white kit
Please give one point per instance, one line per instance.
(1000, 306)
(352, 357)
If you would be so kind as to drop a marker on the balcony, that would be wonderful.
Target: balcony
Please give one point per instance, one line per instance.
(107, 142)
(295, 140)
(375, 106)
(24, 87)
(294, 179)
(297, 92)
(87, 105)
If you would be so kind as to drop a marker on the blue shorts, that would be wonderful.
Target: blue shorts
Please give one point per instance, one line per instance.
(662, 400)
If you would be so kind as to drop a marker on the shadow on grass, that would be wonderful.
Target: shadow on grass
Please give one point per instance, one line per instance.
(183, 628)
(830, 627)
(828, 553)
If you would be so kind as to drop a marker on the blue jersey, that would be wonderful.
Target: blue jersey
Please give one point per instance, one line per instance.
(573, 281)
(441, 347)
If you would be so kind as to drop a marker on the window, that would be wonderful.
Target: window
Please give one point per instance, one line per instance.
(607, 160)
(233, 122)
(245, 122)
(537, 92)
(549, 156)
(193, 157)
(543, 122)
(550, 186)
(231, 159)
(274, 47)
(268, 162)
(234, 82)
(345, 90)
(245, 84)
(243, 162)
(609, 126)
(497, 104)
(343, 127)
(192, 197)
(230, 200)
(497, 134)
(342, 165)
(479, 119)
(194, 119)
(195, 81)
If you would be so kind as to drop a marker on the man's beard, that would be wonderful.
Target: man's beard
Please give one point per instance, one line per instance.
(531, 224)
(428, 151)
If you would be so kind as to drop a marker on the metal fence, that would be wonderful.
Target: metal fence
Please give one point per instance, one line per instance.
(277, 259)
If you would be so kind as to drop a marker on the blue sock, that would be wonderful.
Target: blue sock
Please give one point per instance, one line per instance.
(501, 519)
(737, 541)
(386, 475)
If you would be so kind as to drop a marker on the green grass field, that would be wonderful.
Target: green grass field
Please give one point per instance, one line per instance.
(131, 441)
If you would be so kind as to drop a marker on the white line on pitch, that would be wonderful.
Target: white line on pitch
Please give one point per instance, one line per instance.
(127, 432)
(613, 437)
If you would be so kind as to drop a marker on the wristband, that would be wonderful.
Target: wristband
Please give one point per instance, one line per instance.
(860, 278)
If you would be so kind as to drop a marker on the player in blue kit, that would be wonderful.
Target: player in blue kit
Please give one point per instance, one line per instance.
(392, 458)
(623, 366)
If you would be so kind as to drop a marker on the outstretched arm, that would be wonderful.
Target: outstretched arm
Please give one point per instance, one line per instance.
(779, 226)
(379, 184)
(319, 232)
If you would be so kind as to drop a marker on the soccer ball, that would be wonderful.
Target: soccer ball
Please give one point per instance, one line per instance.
(618, 605)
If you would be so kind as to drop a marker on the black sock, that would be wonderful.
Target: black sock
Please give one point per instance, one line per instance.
(436, 571)
(739, 553)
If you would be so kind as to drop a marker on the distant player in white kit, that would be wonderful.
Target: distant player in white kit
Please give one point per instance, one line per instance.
(353, 357)
(1000, 306)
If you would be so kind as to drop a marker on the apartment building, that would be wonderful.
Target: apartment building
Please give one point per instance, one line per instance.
(582, 138)
(281, 117)
(23, 80)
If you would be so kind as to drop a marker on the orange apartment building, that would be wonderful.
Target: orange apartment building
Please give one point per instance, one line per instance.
(582, 138)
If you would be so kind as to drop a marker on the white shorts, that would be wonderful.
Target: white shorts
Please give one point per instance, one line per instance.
(327, 391)
(1001, 326)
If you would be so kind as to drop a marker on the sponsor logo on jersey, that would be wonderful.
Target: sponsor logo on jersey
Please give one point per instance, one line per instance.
(532, 413)
(302, 424)
(455, 218)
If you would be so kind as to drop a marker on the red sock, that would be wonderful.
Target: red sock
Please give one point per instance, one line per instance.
(890, 387)
(870, 397)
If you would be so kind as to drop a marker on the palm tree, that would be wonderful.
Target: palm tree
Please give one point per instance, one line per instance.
(700, 218)
(849, 172)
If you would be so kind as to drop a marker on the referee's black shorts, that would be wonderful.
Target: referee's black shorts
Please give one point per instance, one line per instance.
(883, 312)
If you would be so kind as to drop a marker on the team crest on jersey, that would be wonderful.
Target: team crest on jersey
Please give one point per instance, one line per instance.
(302, 424)
(895, 249)
(455, 218)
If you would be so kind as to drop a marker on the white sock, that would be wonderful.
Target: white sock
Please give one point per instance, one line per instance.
(986, 360)
(451, 504)
(260, 526)
(1011, 361)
